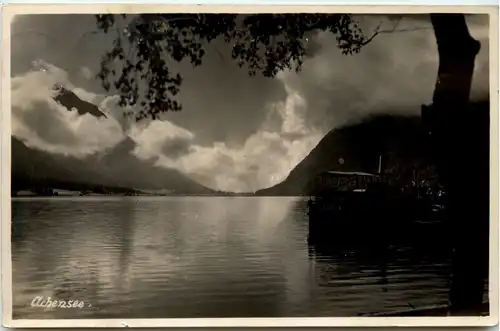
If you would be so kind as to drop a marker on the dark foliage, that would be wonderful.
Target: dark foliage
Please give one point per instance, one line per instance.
(262, 43)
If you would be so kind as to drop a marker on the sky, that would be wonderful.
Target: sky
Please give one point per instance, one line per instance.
(235, 132)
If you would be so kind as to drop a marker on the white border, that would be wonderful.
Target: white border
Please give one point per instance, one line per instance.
(281, 2)
(11, 9)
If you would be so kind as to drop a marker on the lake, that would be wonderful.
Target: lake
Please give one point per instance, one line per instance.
(161, 257)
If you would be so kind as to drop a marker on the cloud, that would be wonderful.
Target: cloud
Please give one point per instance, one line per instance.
(44, 124)
(395, 73)
(86, 73)
(217, 94)
(235, 132)
(264, 159)
(158, 138)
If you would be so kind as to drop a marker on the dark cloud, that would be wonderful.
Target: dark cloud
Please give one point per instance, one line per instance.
(176, 148)
(220, 101)
(394, 74)
(237, 132)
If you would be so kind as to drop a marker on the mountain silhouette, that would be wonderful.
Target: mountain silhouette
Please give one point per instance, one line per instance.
(116, 170)
(401, 142)
(70, 100)
(36, 170)
(123, 167)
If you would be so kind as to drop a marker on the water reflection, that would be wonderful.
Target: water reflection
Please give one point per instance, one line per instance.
(387, 277)
(204, 257)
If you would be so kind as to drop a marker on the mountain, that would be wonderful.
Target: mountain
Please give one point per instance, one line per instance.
(401, 141)
(38, 170)
(120, 164)
(70, 100)
(117, 170)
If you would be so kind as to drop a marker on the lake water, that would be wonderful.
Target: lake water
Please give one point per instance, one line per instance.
(167, 257)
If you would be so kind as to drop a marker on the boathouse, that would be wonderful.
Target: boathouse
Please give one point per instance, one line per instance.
(342, 181)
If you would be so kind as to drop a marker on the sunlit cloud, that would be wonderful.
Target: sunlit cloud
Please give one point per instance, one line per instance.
(226, 137)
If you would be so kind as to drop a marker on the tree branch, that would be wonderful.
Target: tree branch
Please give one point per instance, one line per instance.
(378, 31)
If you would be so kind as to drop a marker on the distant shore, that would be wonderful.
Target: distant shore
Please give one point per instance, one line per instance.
(27, 195)
(34, 196)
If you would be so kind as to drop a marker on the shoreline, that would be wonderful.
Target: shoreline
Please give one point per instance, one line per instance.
(27, 197)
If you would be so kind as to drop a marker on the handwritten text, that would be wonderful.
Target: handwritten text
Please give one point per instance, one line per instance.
(41, 302)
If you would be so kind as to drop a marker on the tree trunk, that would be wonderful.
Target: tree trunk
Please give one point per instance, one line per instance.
(460, 137)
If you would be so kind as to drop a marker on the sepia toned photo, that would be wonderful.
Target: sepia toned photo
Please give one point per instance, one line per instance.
(249, 166)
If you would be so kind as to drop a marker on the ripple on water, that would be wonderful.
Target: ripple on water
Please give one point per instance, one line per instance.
(205, 257)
